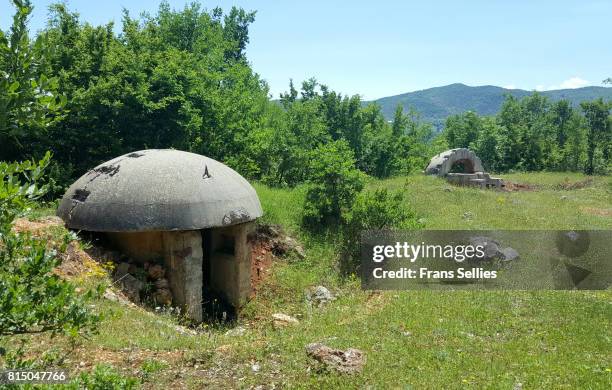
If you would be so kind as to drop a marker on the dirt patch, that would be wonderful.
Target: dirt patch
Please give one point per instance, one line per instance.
(75, 261)
(268, 243)
(37, 227)
(597, 211)
(511, 186)
(125, 358)
(261, 263)
(130, 362)
(567, 185)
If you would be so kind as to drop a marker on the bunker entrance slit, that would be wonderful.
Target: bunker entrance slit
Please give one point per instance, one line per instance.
(216, 246)
(462, 166)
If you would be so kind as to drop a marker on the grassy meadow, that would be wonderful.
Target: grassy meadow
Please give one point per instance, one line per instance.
(411, 339)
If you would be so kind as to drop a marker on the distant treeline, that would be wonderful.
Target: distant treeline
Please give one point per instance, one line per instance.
(180, 79)
(533, 134)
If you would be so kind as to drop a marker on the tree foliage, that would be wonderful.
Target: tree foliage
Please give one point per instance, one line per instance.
(534, 134)
(180, 79)
(29, 102)
(372, 210)
(32, 298)
(176, 79)
(599, 131)
(333, 185)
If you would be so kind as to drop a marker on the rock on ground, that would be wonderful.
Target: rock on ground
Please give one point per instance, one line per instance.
(163, 296)
(156, 272)
(162, 283)
(237, 331)
(347, 362)
(281, 244)
(319, 296)
(491, 247)
(282, 320)
(289, 245)
(131, 287)
(493, 250)
(112, 295)
(121, 270)
(508, 254)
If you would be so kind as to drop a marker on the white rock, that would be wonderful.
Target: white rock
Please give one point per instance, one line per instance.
(237, 331)
(282, 320)
(347, 362)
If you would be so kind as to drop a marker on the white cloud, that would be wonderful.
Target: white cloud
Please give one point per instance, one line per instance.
(511, 86)
(571, 83)
(574, 82)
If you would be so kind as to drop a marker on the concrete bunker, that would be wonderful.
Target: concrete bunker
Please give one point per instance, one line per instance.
(462, 166)
(188, 211)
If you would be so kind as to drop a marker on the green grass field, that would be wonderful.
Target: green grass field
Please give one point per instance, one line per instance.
(411, 339)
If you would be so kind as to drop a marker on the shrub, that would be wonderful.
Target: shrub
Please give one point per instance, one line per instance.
(375, 210)
(32, 298)
(333, 184)
(103, 377)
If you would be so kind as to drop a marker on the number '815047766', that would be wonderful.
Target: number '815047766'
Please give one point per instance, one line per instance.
(15, 377)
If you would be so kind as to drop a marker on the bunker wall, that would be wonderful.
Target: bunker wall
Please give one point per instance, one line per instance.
(230, 263)
(141, 246)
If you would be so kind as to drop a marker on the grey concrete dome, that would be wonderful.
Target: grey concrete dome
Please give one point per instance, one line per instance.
(441, 164)
(159, 190)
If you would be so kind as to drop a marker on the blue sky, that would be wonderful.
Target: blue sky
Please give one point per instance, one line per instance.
(382, 48)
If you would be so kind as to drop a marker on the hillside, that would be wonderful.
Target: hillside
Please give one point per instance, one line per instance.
(411, 339)
(435, 104)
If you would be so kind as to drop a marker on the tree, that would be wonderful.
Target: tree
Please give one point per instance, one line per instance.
(414, 148)
(378, 153)
(597, 114)
(176, 79)
(288, 98)
(309, 89)
(575, 148)
(561, 112)
(526, 133)
(236, 31)
(565, 151)
(399, 121)
(29, 103)
(462, 129)
(486, 145)
(301, 131)
(333, 184)
(318, 118)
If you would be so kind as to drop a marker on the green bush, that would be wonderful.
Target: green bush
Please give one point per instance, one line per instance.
(372, 210)
(32, 298)
(103, 377)
(334, 182)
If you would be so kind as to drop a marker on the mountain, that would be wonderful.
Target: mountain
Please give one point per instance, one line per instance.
(435, 104)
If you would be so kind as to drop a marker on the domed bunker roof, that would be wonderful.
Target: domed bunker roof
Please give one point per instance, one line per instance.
(159, 190)
(441, 164)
